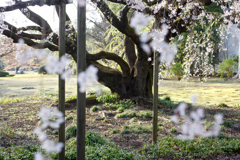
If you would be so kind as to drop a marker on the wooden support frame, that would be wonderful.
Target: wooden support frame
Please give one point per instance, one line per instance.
(81, 65)
(61, 83)
(155, 97)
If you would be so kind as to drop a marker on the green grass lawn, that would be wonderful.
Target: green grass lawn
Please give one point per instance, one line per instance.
(11, 87)
(211, 92)
(125, 126)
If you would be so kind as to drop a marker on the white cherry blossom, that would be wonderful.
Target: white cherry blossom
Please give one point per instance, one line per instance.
(45, 113)
(218, 118)
(50, 146)
(88, 77)
(38, 156)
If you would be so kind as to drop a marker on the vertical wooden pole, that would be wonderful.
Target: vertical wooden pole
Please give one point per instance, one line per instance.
(81, 65)
(61, 83)
(155, 96)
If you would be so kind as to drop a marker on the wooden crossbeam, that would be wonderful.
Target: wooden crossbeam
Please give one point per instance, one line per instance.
(22, 5)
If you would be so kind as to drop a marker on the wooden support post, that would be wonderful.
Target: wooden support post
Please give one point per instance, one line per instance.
(155, 97)
(61, 83)
(81, 65)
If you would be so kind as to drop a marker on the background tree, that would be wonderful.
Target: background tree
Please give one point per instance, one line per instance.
(6, 46)
(134, 78)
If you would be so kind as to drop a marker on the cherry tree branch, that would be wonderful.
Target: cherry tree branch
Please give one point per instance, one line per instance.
(29, 41)
(21, 5)
(46, 29)
(112, 18)
(23, 34)
(111, 56)
(34, 28)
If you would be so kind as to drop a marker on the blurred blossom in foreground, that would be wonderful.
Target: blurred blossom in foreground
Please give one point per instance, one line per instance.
(194, 99)
(81, 3)
(49, 145)
(87, 78)
(54, 65)
(38, 156)
(193, 125)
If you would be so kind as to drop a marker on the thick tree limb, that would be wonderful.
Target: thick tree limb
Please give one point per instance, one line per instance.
(111, 56)
(30, 42)
(111, 78)
(46, 29)
(23, 34)
(130, 52)
(149, 3)
(118, 1)
(34, 28)
(124, 13)
(21, 5)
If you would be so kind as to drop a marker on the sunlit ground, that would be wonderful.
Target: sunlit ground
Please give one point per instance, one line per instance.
(11, 87)
(211, 92)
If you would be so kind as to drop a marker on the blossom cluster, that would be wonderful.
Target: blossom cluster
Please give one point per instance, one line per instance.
(49, 145)
(24, 55)
(136, 4)
(154, 39)
(193, 123)
(54, 65)
(87, 78)
(84, 79)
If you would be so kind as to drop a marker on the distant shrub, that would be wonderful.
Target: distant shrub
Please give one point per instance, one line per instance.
(167, 98)
(166, 102)
(222, 105)
(42, 70)
(3, 73)
(177, 70)
(228, 66)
